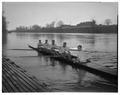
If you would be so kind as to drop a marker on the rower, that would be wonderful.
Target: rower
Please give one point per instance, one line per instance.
(53, 46)
(40, 44)
(46, 45)
(46, 42)
(64, 50)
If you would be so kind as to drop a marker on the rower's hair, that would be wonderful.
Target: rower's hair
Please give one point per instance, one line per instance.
(64, 43)
(79, 47)
(53, 41)
(46, 41)
(39, 41)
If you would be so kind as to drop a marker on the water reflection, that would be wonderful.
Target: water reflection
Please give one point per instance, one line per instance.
(53, 62)
(22, 35)
(81, 74)
(63, 67)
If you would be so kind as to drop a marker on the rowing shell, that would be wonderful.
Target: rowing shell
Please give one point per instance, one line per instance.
(56, 55)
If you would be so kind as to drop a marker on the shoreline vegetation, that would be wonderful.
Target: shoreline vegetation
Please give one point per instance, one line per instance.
(84, 27)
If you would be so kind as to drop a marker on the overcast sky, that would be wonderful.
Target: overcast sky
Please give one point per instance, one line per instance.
(27, 14)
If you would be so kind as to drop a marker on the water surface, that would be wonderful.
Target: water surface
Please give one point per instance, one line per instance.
(101, 48)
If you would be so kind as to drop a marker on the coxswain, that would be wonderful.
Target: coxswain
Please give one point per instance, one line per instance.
(81, 55)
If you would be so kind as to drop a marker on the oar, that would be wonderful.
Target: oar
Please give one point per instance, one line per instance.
(32, 49)
(21, 49)
(71, 49)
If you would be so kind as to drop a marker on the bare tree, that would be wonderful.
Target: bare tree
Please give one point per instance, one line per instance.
(59, 23)
(4, 23)
(108, 21)
(36, 27)
(94, 21)
(52, 24)
(4, 30)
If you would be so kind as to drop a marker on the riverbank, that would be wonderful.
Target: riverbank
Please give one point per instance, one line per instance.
(16, 79)
(95, 29)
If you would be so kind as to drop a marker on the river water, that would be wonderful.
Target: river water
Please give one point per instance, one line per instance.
(100, 48)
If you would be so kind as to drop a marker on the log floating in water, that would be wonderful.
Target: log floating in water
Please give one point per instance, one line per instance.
(15, 79)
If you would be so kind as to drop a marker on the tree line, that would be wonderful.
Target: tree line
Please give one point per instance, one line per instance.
(60, 25)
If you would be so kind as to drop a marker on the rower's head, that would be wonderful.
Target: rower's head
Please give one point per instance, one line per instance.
(53, 42)
(46, 41)
(79, 47)
(39, 41)
(64, 44)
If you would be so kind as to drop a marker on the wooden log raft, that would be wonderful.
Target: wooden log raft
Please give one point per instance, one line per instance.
(16, 79)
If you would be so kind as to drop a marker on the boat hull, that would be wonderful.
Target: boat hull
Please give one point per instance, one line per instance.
(56, 55)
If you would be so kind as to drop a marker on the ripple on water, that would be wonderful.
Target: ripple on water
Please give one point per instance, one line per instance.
(105, 59)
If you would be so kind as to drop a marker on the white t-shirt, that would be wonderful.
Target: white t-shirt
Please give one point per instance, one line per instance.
(39, 45)
(62, 49)
(54, 46)
(47, 46)
(82, 56)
